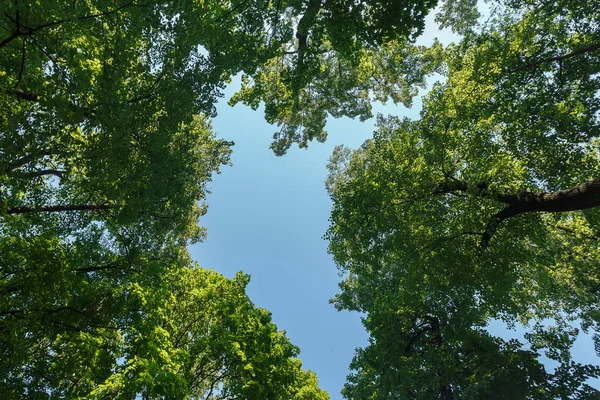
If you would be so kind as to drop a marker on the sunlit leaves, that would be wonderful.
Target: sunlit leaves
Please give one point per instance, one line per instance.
(355, 52)
(410, 223)
(106, 156)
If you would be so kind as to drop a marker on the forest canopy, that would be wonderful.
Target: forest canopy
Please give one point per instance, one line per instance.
(485, 208)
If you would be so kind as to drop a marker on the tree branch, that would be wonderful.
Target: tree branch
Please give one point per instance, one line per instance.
(28, 158)
(29, 31)
(22, 65)
(304, 25)
(152, 88)
(43, 172)
(580, 197)
(536, 63)
(25, 95)
(495, 221)
(58, 208)
(9, 39)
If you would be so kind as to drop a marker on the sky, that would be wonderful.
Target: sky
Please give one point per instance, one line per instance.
(267, 216)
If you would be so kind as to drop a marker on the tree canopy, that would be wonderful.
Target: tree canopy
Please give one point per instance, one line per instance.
(486, 207)
(106, 151)
(82, 322)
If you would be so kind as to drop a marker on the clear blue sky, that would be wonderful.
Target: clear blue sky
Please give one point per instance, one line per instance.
(267, 216)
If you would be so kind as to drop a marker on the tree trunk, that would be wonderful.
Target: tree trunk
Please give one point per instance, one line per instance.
(304, 25)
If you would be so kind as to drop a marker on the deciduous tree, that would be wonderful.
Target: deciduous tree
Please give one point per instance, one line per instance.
(484, 208)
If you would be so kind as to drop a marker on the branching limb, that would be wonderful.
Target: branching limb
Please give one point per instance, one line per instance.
(580, 197)
(23, 30)
(29, 158)
(583, 50)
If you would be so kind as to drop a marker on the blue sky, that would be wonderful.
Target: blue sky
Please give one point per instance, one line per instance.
(267, 216)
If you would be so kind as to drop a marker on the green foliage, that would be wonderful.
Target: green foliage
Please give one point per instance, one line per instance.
(459, 15)
(441, 224)
(107, 105)
(145, 324)
(485, 208)
(106, 153)
(348, 54)
(198, 336)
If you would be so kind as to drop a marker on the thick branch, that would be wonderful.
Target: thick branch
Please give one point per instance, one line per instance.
(451, 186)
(22, 64)
(536, 63)
(580, 197)
(307, 19)
(304, 25)
(43, 172)
(59, 208)
(495, 221)
(26, 95)
(431, 324)
(10, 39)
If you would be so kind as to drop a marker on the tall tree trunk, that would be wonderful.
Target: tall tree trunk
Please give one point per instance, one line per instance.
(304, 25)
